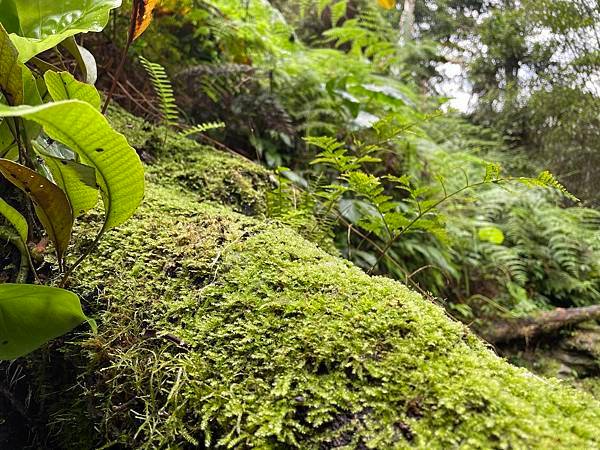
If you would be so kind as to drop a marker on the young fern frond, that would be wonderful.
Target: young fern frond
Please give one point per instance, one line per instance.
(163, 90)
(202, 128)
(547, 180)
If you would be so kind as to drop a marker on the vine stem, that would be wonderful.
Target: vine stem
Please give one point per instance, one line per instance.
(117, 76)
(81, 258)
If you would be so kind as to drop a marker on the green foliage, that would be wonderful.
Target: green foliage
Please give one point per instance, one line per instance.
(390, 170)
(59, 154)
(202, 128)
(548, 256)
(31, 31)
(16, 220)
(118, 168)
(163, 90)
(50, 202)
(63, 86)
(382, 210)
(33, 315)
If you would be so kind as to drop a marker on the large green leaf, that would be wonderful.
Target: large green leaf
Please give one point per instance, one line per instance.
(15, 218)
(51, 204)
(84, 130)
(77, 180)
(63, 86)
(32, 315)
(11, 71)
(9, 16)
(43, 24)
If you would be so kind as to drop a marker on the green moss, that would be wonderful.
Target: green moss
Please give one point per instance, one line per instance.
(220, 329)
(213, 175)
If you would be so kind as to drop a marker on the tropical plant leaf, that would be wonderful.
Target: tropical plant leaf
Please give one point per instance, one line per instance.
(15, 218)
(31, 315)
(141, 17)
(9, 16)
(11, 72)
(77, 180)
(18, 86)
(82, 128)
(63, 86)
(493, 235)
(36, 33)
(85, 60)
(51, 204)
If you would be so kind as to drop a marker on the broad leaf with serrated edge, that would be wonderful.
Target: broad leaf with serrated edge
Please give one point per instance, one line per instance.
(82, 128)
(63, 86)
(32, 315)
(51, 204)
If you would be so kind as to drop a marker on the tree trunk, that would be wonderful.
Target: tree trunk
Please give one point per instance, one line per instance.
(407, 20)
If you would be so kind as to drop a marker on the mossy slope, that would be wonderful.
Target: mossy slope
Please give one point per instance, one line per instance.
(219, 329)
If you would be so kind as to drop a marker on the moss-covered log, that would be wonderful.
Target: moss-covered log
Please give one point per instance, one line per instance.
(220, 329)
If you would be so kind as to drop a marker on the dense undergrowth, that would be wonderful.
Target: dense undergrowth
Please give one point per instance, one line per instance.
(227, 317)
(493, 251)
(220, 329)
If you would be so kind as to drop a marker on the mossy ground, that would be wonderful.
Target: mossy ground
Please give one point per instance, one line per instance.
(220, 329)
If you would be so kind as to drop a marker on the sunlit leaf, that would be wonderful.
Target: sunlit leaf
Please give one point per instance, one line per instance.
(31, 315)
(51, 204)
(63, 86)
(387, 4)
(77, 180)
(82, 128)
(15, 218)
(492, 235)
(45, 24)
(11, 72)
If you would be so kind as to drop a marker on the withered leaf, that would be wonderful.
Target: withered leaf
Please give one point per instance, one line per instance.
(51, 204)
(141, 17)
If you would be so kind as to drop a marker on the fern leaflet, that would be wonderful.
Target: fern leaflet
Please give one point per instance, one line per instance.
(202, 128)
(163, 90)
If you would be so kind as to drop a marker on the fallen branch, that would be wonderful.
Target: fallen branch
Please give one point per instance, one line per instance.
(546, 323)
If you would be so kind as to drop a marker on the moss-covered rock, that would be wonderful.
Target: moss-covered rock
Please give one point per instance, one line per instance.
(218, 329)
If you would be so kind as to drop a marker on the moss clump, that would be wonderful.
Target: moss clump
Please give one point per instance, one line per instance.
(222, 330)
(218, 329)
(213, 175)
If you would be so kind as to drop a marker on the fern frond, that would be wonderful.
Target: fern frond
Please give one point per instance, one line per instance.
(202, 128)
(163, 90)
(547, 180)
